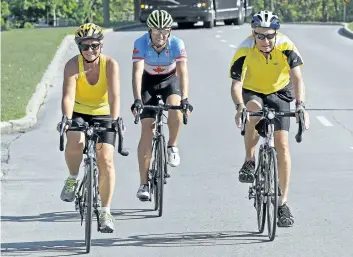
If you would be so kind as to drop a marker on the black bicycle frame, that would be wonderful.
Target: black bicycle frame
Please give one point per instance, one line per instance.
(90, 179)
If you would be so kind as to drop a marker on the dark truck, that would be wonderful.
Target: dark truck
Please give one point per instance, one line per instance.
(188, 12)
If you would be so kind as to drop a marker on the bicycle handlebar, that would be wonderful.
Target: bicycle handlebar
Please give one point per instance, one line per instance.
(85, 127)
(267, 113)
(164, 107)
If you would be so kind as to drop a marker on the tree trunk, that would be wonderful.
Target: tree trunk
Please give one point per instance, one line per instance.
(324, 11)
(137, 10)
(337, 10)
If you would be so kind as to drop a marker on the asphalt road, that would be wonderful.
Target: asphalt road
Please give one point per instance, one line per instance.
(206, 211)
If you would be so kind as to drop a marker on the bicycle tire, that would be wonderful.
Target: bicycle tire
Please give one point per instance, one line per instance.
(154, 176)
(160, 173)
(89, 205)
(259, 203)
(272, 194)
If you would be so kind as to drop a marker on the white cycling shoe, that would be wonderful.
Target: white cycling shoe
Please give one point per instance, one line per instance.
(143, 193)
(173, 156)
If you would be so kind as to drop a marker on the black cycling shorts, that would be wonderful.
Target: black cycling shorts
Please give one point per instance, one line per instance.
(104, 137)
(280, 101)
(153, 85)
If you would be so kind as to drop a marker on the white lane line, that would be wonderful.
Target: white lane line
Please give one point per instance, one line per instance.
(352, 147)
(232, 46)
(220, 31)
(235, 27)
(218, 36)
(324, 121)
(223, 41)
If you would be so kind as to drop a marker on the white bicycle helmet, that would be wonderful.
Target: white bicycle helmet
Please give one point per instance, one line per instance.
(265, 19)
(159, 19)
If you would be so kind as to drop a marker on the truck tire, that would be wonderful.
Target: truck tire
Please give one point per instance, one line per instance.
(240, 19)
(209, 24)
(185, 25)
(228, 22)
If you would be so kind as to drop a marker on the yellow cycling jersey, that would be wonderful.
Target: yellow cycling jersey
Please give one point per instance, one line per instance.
(92, 99)
(263, 75)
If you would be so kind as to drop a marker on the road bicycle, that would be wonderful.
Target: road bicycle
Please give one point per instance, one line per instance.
(158, 171)
(87, 195)
(265, 189)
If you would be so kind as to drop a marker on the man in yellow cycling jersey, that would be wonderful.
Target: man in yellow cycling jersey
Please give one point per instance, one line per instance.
(91, 89)
(266, 70)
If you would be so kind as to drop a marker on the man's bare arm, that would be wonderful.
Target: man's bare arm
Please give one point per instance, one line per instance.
(236, 92)
(113, 75)
(298, 83)
(182, 71)
(69, 89)
(137, 71)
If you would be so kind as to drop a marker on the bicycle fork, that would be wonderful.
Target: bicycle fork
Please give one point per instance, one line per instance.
(81, 194)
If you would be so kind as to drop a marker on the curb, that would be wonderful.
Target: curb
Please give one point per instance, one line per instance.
(347, 32)
(30, 120)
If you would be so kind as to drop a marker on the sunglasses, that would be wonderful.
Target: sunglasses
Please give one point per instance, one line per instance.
(160, 31)
(263, 36)
(85, 47)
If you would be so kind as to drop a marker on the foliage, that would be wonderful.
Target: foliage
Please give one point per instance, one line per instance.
(307, 10)
(17, 13)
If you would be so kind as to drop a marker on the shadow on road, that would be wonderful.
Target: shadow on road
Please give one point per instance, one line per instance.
(190, 239)
(74, 216)
(45, 217)
(343, 33)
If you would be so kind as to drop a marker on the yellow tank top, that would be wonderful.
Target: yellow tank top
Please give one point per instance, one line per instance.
(92, 99)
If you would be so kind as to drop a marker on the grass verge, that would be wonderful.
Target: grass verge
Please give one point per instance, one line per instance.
(25, 56)
(350, 26)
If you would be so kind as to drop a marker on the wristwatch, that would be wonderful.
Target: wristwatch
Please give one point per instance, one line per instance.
(299, 103)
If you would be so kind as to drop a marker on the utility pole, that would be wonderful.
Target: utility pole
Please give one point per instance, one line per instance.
(106, 13)
(344, 12)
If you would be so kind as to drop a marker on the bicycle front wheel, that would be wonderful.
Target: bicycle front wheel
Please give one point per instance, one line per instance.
(89, 198)
(260, 204)
(161, 164)
(272, 192)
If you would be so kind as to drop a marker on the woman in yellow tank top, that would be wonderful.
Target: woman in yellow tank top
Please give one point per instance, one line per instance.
(91, 88)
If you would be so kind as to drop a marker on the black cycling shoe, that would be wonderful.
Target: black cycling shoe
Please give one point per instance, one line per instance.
(246, 173)
(285, 217)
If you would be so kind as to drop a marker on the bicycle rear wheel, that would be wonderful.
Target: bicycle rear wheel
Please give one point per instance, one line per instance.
(89, 198)
(272, 192)
(259, 203)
